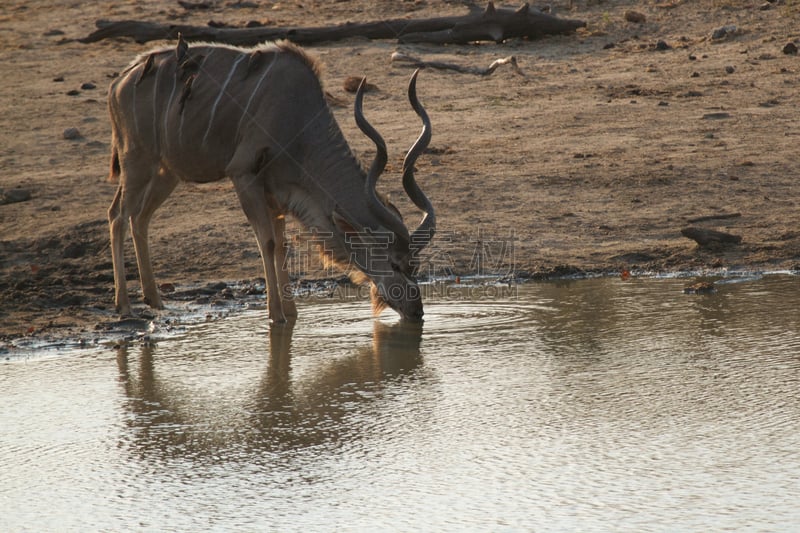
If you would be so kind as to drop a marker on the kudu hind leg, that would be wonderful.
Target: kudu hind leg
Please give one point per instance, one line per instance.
(157, 191)
(118, 225)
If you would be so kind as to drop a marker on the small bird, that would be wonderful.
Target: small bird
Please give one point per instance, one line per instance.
(148, 64)
(182, 49)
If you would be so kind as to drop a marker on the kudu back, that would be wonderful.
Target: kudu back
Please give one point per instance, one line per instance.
(259, 116)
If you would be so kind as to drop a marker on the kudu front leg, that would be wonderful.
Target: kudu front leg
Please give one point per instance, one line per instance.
(284, 284)
(253, 200)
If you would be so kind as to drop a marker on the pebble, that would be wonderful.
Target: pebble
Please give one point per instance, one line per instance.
(716, 116)
(790, 49)
(662, 45)
(723, 32)
(72, 133)
(13, 196)
(351, 84)
(88, 86)
(635, 16)
(730, 69)
(74, 250)
(73, 92)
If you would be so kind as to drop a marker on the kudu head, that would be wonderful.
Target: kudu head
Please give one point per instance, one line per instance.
(389, 253)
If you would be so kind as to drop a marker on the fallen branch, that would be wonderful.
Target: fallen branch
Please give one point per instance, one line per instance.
(492, 24)
(707, 237)
(409, 61)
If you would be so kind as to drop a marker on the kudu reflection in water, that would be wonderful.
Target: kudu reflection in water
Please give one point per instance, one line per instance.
(282, 412)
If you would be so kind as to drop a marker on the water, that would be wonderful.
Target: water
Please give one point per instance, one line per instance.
(579, 405)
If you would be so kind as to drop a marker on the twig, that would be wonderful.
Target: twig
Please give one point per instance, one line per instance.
(409, 61)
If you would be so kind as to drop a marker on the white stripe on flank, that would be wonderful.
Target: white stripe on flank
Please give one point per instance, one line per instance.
(250, 100)
(133, 99)
(155, 110)
(166, 111)
(180, 126)
(219, 97)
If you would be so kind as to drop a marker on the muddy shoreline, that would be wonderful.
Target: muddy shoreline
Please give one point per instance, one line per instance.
(591, 161)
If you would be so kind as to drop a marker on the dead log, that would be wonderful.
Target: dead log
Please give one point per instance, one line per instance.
(496, 24)
(709, 237)
(492, 24)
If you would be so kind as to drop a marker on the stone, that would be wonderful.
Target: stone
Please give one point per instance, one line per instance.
(723, 32)
(662, 45)
(635, 16)
(72, 134)
(13, 196)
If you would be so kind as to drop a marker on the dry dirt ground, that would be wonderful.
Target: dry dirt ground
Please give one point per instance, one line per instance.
(593, 161)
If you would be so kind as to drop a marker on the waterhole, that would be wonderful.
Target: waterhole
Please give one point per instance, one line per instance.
(583, 405)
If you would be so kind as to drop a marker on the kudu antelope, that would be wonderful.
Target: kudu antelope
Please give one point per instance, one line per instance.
(259, 116)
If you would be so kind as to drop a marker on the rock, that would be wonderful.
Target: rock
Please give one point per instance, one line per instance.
(58, 79)
(635, 16)
(724, 32)
(790, 49)
(74, 250)
(88, 86)
(662, 45)
(701, 287)
(352, 82)
(72, 134)
(13, 196)
(707, 237)
(730, 69)
(73, 92)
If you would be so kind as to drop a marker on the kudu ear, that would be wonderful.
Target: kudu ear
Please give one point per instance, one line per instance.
(342, 224)
(359, 234)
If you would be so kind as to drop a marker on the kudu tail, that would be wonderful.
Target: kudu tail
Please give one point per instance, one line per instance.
(113, 174)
